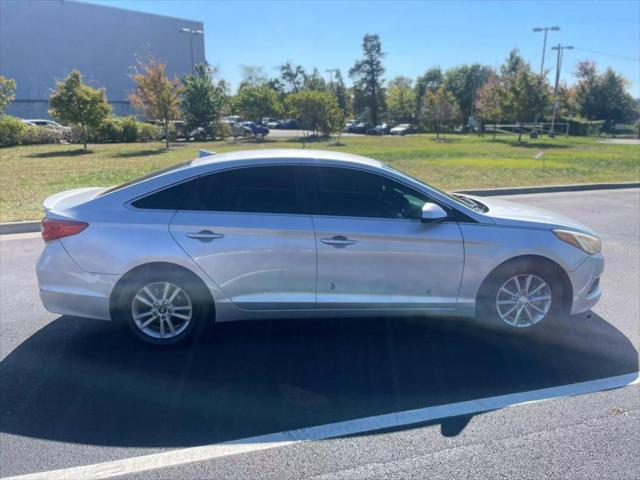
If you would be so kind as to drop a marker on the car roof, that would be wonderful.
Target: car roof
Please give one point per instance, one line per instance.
(304, 156)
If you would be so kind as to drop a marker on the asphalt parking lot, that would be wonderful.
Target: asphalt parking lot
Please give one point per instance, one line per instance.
(75, 392)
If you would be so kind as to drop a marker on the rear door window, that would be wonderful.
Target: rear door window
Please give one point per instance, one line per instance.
(262, 189)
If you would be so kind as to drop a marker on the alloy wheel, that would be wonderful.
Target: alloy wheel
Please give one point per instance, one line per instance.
(161, 310)
(523, 300)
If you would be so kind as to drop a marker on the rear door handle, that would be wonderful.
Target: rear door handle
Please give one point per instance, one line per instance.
(205, 235)
(339, 241)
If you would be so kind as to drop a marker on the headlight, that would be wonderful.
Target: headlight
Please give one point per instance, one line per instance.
(584, 242)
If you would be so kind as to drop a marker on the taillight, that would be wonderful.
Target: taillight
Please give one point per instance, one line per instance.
(53, 229)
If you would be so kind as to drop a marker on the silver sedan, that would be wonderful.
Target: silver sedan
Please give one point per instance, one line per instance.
(302, 233)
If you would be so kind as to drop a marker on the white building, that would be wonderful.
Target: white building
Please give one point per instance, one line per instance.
(41, 41)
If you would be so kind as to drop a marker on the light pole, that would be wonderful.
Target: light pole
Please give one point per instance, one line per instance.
(544, 43)
(560, 48)
(191, 33)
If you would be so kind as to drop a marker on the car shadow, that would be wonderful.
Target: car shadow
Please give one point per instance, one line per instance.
(79, 380)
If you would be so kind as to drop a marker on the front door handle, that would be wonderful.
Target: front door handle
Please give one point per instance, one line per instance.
(205, 235)
(339, 241)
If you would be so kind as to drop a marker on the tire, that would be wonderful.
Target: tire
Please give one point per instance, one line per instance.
(189, 306)
(522, 309)
(247, 134)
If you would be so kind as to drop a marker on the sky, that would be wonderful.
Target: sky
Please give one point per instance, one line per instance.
(415, 35)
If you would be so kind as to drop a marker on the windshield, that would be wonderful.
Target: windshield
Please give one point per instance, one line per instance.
(459, 199)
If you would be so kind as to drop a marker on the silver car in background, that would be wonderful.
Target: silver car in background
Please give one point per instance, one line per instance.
(303, 233)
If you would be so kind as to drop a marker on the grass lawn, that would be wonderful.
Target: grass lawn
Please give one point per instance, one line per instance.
(31, 173)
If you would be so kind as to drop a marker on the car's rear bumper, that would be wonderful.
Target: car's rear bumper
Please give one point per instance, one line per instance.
(586, 284)
(67, 289)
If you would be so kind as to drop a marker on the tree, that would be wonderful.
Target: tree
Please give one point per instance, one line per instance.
(489, 101)
(316, 111)
(252, 75)
(202, 100)
(254, 102)
(440, 109)
(339, 90)
(157, 96)
(463, 82)
(524, 96)
(75, 103)
(368, 82)
(7, 92)
(602, 96)
(292, 76)
(401, 100)
(513, 64)
(314, 81)
(429, 81)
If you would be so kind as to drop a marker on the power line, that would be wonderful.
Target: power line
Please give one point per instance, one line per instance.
(609, 54)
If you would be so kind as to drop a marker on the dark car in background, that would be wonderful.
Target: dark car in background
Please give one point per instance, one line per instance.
(255, 129)
(288, 124)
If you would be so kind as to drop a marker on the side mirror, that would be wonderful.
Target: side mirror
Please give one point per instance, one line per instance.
(432, 213)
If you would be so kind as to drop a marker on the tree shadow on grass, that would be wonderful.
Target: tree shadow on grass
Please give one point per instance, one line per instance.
(309, 139)
(139, 153)
(61, 153)
(537, 145)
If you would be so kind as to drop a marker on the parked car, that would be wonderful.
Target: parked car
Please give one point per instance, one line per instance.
(255, 129)
(238, 129)
(382, 129)
(360, 127)
(402, 129)
(39, 122)
(273, 124)
(288, 124)
(294, 233)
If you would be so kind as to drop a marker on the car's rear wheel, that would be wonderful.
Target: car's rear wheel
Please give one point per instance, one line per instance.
(163, 307)
(522, 296)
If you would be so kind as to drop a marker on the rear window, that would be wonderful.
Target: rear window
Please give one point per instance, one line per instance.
(168, 198)
(145, 177)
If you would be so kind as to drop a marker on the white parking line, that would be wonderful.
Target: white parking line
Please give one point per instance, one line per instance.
(321, 432)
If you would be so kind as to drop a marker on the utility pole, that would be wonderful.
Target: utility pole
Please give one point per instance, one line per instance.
(544, 43)
(560, 48)
(191, 34)
(331, 71)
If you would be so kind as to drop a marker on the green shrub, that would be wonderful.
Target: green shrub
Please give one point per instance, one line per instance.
(11, 131)
(38, 135)
(119, 130)
(109, 131)
(147, 131)
(128, 129)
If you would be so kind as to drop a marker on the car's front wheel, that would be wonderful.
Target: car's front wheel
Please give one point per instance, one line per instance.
(163, 307)
(521, 296)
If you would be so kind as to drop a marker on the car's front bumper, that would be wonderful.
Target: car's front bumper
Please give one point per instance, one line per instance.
(67, 289)
(585, 281)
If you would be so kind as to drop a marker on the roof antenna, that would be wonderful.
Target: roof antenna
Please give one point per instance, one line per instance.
(205, 153)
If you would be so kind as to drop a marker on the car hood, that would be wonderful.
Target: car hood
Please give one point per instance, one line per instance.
(503, 212)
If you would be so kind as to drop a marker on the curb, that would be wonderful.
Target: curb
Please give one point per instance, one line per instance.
(19, 227)
(34, 226)
(580, 187)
